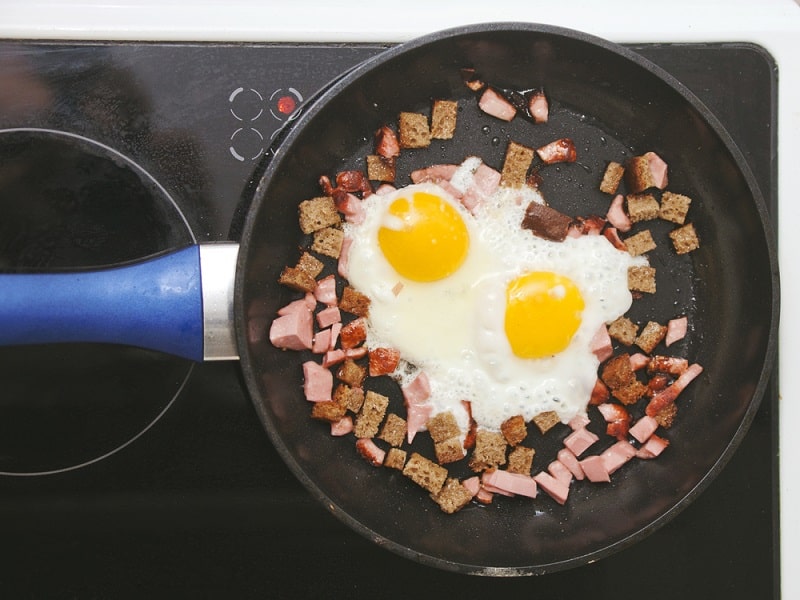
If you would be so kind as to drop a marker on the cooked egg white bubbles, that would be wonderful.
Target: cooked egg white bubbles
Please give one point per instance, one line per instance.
(490, 312)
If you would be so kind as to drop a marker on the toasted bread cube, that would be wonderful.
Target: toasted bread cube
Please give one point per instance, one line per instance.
(425, 473)
(640, 243)
(642, 279)
(630, 393)
(514, 430)
(328, 241)
(310, 264)
(623, 330)
(449, 450)
(651, 335)
(489, 452)
(674, 207)
(352, 398)
(617, 371)
(642, 207)
(371, 415)
(443, 427)
(351, 373)
(443, 119)
(520, 460)
(414, 130)
(684, 239)
(453, 496)
(318, 213)
(546, 421)
(395, 459)
(297, 279)
(394, 430)
(612, 177)
(516, 164)
(381, 168)
(666, 416)
(328, 410)
(354, 302)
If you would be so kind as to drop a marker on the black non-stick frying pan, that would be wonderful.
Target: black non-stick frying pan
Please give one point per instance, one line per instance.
(613, 104)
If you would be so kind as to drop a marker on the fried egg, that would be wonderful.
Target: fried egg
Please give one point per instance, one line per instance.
(490, 312)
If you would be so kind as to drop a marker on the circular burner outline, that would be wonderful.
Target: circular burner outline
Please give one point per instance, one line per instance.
(153, 181)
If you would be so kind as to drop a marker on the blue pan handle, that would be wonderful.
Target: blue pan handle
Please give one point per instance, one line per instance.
(157, 304)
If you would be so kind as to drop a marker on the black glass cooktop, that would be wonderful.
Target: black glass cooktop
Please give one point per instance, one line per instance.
(128, 474)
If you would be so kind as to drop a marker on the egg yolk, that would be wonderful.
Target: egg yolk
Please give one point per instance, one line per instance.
(424, 238)
(543, 312)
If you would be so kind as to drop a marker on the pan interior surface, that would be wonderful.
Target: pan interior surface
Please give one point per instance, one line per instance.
(614, 105)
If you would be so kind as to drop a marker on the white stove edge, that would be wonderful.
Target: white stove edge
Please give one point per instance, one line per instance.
(774, 24)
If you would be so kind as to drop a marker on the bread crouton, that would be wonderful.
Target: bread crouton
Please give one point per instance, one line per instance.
(674, 207)
(516, 164)
(623, 330)
(453, 496)
(489, 452)
(640, 243)
(351, 373)
(352, 398)
(666, 416)
(631, 393)
(297, 279)
(328, 410)
(520, 460)
(651, 335)
(371, 415)
(443, 427)
(684, 239)
(354, 302)
(381, 168)
(393, 431)
(642, 279)
(443, 119)
(449, 450)
(328, 242)
(395, 459)
(414, 131)
(514, 430)
(612, 177)
(425, 473)
(642, 207)
(310, 264)
(617, 371)
(546, 421)
(318, 213)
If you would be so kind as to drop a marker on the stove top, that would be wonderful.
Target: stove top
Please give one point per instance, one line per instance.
(128, 473)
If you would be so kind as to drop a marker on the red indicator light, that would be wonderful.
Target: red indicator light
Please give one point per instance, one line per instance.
(286, 105)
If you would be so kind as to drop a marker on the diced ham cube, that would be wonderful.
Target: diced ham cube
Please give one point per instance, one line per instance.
(579, 440)
(473, 485)
(617, 216)
(559, 470)
(676, 330)
(513, 483)
(643, 428)
(594, 469)
(294, 306)
(493, 103)
(569, 460)
(325, 291)
(639, 361)
(646, 171)
(293, 331)
(336, 329)
(488, 487)
(317, 382)
(578, 421)
(538, 107)
(370, 451)
(351, 206)
(558, 151)
(385, 188)
(654, 446)
(617, 455)
(601, 345)
(333, 357)
(322, 341)
(328, 316)
(355, 353)
(668, 395)
(484, 496)
(556, 489)
(434, 173)
(386, 143)
(343, 266)
(342, 427)
(600, 393)
(418, 411)
(613, 412)
(612, 235)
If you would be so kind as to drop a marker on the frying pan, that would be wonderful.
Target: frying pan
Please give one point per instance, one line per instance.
(613, 104)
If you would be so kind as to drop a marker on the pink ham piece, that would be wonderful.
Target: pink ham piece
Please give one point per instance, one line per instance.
(370, 451)
(342, 427)
(612, 235)
(646, 171)
(653, 447)
(296, 305)
(538, 107)
(434, 173)
(325, 291)
(343, 266)
(617, 455)
(485, 181)
(558, 151)
(484, 496)
(594, 469)
(569, 460)
(643, 429)
(322, 341)
(617, 216)
(473, 485)
(385, 188)
(556, 489)
(512, 483)
(668, 395)
(676, 330)
(671, 365)
(333, 357)
(355, 353)
(600, 344)
(558, 470)
(317, 382)
(493, 103)
(639, 361)
(386, 143)
(578, 421)
(351, 207)
(418, 410)
(294, 330)
(328, 316)
(579, 440)
(336, 329)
